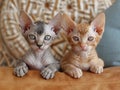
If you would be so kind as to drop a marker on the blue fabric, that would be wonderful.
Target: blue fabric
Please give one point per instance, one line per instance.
(109, 46)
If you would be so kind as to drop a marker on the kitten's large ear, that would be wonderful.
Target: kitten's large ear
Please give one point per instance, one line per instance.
(67, 23)
(56, 22)
(61, 20)
(99, 23)
(25, 20)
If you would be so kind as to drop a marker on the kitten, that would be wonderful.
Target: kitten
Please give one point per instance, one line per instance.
(83, 39)
(39, 36)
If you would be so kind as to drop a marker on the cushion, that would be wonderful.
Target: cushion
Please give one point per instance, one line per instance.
(14, 45)
(109, 47)
(108, 80)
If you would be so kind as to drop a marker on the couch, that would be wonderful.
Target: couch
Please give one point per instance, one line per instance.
(13, 45)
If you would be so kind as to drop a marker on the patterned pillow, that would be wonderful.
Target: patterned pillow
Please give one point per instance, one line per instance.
(13, 44)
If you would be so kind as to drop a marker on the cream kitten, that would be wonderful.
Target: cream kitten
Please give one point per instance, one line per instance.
(83, 39)
(39, 36)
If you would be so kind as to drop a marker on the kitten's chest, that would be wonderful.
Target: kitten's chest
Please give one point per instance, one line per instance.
(34, 61)
(82, 56)
(83, 60)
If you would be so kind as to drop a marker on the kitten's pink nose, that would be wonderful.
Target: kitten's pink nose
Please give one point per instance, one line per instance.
(83, 46)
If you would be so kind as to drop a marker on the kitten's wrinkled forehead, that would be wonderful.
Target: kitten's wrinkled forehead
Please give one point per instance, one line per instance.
(83, 28)
(38, 27)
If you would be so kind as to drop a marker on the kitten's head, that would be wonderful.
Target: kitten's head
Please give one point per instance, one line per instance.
(84, 37)
(39, 34)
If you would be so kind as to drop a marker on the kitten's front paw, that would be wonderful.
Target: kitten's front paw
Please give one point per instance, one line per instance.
(74, 72)
(47, 73)
(21, 70)
(96, 69)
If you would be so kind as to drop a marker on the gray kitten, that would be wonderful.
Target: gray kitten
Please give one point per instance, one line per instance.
(39, 36)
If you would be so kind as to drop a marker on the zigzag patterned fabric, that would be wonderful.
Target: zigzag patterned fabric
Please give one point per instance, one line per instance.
(12, 43)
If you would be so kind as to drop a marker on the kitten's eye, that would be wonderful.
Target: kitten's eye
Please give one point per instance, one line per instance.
(75, 38)
(32, 37)
(47, 37)
(90, 38)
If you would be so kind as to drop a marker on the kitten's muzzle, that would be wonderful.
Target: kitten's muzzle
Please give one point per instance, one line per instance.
(83, 46)
(39, 45)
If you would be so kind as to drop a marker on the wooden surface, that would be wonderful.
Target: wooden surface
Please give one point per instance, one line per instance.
(108, 80)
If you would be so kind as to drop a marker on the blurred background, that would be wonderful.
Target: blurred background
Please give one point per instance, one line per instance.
(13, 45)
